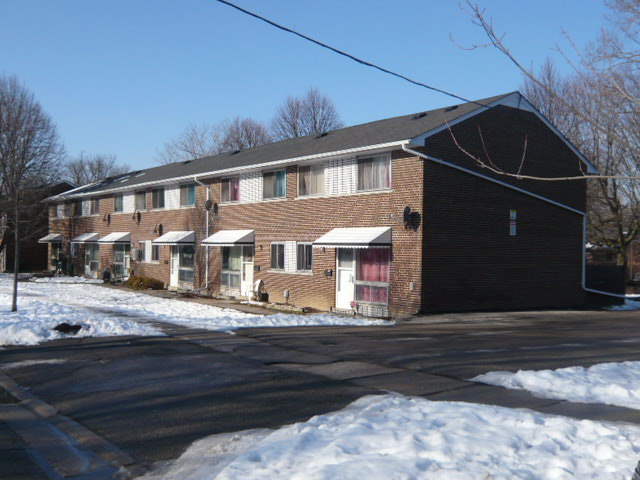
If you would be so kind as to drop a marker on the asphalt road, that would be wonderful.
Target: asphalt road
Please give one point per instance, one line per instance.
(150, 397)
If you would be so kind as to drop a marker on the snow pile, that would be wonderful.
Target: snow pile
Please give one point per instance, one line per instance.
(34, 321)
(66, 280)
(628, 305)
(393, 437)
(610, 383)
(42, 306)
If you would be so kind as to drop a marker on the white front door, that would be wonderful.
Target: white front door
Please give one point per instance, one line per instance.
(246, 282)
(345, 277)
(121, 261)
(174, 267)
(91, 260)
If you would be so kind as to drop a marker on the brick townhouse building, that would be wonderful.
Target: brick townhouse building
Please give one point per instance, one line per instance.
(386, 218)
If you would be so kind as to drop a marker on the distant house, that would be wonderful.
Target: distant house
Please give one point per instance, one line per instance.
(33, 255)
(386, 218)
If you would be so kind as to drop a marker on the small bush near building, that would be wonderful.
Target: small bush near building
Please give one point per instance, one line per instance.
(137, 282)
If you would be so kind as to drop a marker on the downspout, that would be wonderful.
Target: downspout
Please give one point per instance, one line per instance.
(583, 281)
(206, 234)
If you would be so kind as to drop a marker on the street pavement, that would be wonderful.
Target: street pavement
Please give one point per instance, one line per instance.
(115, 406)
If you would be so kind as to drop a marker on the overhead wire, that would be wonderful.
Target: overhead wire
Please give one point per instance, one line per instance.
(348, 55)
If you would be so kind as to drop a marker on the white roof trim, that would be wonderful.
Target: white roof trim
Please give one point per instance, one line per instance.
(514, 100)
(51, 238)
(86, 238)
(230, 238)
(116, 237)
(363, 237)
(227, 171)
(176, 238)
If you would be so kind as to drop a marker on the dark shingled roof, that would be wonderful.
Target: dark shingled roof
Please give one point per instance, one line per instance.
(372, 133)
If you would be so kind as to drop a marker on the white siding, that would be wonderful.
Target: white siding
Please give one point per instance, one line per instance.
(147, 250)
(251, 187)
(60, 210)
(172, 196)
(86, 208)
(290, 263)
(341, 176)
(128, 202)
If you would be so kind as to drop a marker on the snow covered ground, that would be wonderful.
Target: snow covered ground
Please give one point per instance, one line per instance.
(628, 305)
(609, 383)
(106, 312)
(395, 437)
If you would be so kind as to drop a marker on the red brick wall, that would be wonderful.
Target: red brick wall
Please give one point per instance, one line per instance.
(290, 219)
(471, 262)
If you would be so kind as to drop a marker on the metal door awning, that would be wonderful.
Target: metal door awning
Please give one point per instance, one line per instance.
(176, 238)
(116, 238)
(230, 238)
(357, 237)
(91, 237)
(51, 238)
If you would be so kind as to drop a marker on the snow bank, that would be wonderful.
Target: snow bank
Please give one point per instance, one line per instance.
(628, 305)
(66, 280)
(42, 305)
(610, 383)
(395, 437)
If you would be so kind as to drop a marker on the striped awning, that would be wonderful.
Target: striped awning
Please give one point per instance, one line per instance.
(51, 238)
(91, 237)
(230, 238)
(364, 237)
(175, 238)
(116, 238)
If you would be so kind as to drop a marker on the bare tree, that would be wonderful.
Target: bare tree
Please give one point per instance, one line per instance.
(195, 141)
(597, 108)
(30, 157)
(312, 114)
(243, 133)
(89, 168)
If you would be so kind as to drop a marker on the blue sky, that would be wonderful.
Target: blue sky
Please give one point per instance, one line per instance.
(123, 77)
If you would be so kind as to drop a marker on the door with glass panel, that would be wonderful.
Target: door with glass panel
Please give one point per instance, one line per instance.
(345, 278)
(236, 277)
(91, 259)
(121, 261)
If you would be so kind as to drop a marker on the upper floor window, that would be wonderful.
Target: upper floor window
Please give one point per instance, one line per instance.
(118, 202)
(94, 206)
(311, 180)
(374, 173)
(274, 184)
(230, 189)
(187, 194)
(157, 197)
(68, 209)
(53, 211)
(141, 200)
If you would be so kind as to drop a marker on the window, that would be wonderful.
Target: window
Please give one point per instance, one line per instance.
(311, 180)
(141, 200)
(374, 173)
(186, 272)
(372, 275)
(77, 208)
(155, 253)
(231, 262)
(53, 211)
(274, 184)
(304, 255)
(277, 256)
(94, 206)
(118, 203)
(142, 252)
(157, 197)
(187, 194)
(230, 189)
(68, 209)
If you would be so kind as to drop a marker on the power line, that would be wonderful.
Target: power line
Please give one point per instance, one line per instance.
(348, 55)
